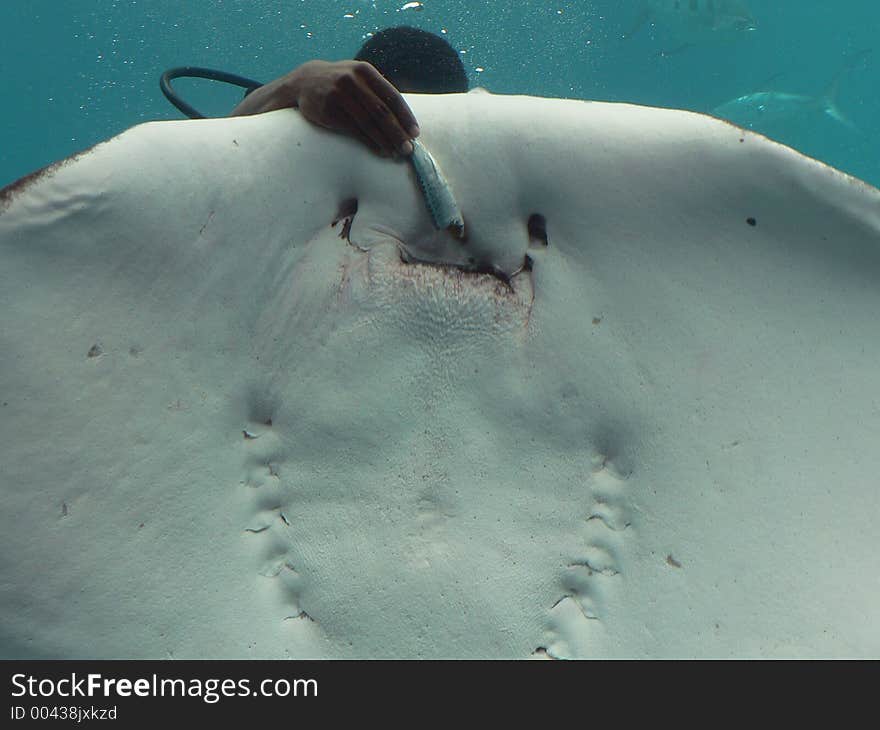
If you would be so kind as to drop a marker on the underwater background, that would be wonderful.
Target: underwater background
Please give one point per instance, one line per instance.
(76, 72)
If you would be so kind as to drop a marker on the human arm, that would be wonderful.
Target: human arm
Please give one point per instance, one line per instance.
(350, 97)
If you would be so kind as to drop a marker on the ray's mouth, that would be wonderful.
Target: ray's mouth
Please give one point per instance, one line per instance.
(537, 236)
(472, 267)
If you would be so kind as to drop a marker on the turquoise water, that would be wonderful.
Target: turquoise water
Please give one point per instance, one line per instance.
(78, 72)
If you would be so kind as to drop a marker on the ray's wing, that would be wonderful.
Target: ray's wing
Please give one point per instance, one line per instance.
(228, 430)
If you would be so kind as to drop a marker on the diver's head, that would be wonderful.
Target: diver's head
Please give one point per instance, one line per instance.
(415, 61)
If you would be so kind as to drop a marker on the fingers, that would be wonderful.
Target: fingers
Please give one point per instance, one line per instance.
(372, 118)
(361, 123)
(354, 98)
(367, 141)
(392, 99)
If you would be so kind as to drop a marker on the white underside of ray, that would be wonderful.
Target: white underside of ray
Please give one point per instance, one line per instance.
(227, 432)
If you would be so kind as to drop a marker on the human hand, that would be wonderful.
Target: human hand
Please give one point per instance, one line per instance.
(350, 97)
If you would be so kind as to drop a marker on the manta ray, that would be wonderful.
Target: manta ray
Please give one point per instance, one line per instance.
(254, 404)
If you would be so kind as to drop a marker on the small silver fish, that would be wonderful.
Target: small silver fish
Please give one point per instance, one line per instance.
(436, 191)
(773, 111)
(693, 19)
(767, 110)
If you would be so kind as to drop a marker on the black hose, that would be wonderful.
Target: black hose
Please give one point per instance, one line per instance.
(200, 73)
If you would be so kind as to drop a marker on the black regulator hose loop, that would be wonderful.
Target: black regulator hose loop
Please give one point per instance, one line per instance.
(200, 73)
